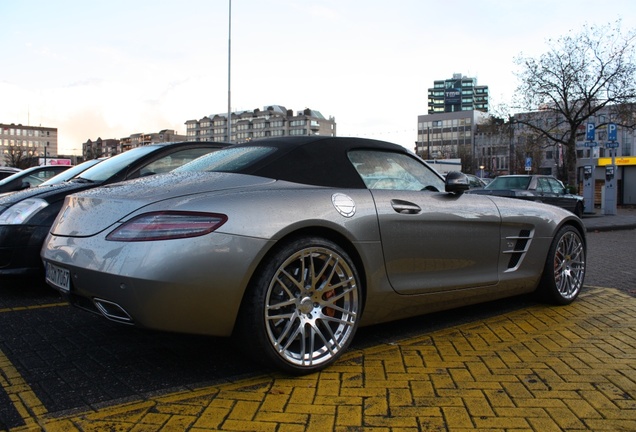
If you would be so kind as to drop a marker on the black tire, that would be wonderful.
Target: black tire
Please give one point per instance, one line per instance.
(578, 210)
(564, 270)
(302, 309)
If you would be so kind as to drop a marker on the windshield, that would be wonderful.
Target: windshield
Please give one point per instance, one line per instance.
(108, 168)
(231, 159)
(507, 183)
(19, 174)
(71, 172)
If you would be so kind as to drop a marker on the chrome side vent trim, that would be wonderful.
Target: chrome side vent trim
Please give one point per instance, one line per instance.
(517, 247)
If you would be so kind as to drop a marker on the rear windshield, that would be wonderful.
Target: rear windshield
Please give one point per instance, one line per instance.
(105, 170)
(509, 183)
(231, 159)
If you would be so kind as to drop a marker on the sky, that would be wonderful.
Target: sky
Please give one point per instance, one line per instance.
(114, 68)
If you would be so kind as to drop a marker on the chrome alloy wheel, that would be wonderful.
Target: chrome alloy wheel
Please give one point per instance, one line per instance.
(569, 265)
(311, 306)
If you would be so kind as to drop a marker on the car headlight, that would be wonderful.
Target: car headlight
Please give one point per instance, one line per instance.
(21, 212)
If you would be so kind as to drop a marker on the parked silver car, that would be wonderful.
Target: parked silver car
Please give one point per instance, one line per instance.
(290, 244)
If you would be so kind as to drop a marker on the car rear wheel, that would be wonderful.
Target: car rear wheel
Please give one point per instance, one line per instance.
(302, 310)
(578, 210)
(564, 269)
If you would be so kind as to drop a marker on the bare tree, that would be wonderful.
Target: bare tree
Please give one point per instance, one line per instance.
(580, 75)
(18, 157)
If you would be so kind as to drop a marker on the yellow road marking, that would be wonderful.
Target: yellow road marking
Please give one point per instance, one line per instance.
(23, 308)
(22, 397)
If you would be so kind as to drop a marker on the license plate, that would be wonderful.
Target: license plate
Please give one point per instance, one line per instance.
(58, 277)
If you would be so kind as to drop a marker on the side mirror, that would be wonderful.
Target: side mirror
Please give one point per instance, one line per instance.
(456, 182)
(25, 185)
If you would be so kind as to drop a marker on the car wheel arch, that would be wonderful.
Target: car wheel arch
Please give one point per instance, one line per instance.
(322, 232)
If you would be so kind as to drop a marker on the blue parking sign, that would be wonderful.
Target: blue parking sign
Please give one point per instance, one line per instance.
(528, 164)
(611, 132)
(590, 132)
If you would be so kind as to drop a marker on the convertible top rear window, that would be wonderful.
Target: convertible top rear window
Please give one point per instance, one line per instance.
(231, 159)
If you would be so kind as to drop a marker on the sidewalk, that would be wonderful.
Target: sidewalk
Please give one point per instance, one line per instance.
(625, 218)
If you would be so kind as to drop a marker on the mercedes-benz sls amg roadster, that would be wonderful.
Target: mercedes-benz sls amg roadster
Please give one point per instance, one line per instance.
(289, 245)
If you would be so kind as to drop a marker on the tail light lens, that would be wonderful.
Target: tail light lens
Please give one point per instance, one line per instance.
(167, 226)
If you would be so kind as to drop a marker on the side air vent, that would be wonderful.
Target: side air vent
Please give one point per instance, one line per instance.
(517, 248)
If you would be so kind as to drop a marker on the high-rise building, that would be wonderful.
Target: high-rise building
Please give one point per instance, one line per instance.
(455, 107)
(271, 121)
(458, 93)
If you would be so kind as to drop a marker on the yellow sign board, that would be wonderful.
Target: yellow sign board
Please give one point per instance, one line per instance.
(619, 161)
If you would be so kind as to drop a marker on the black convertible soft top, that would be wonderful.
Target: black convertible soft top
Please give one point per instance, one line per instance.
(314, 160)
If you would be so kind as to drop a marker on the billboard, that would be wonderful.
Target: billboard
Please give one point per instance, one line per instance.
(54, 161)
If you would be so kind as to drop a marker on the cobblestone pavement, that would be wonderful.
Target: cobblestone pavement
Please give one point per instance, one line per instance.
(540, 368)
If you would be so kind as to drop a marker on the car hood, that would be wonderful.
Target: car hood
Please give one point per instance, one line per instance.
(49, 193)
(90, 212)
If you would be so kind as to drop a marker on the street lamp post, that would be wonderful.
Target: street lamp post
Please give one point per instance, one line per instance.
(511, 166)
(229, 56)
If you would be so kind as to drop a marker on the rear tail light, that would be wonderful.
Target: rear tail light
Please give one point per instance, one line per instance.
(167, 226)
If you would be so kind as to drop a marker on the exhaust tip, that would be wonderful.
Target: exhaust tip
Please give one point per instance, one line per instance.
(112, 311)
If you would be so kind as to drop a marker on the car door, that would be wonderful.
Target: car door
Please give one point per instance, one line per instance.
(432, 240)
(559, 196)
(544, 191)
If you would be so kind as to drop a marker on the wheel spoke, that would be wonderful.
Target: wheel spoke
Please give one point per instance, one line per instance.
(332, 347)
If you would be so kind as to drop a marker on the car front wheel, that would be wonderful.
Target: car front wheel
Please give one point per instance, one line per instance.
(302, 309)
(564, 269)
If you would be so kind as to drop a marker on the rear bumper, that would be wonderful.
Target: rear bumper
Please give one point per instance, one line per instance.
(191, 285)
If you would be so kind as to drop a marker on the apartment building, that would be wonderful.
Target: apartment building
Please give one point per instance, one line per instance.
(32, 141)
(271, 121)
(112, 146)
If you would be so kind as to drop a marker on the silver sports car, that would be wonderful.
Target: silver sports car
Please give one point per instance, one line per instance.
(289, 244)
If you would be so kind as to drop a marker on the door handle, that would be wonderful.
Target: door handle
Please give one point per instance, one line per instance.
(405, 207)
